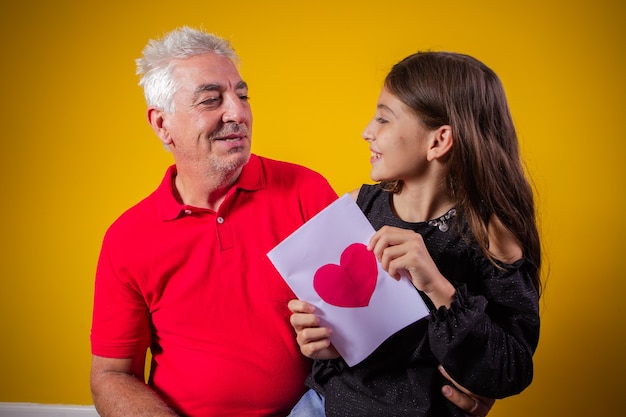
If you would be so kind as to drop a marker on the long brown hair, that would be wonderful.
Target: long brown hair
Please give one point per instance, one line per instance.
(486, 176)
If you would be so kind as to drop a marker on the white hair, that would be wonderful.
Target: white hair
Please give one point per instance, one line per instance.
(157, 62)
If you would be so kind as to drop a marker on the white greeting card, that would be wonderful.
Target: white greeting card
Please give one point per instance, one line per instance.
(326, 263)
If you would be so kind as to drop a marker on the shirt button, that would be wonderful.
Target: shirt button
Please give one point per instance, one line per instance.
(220, 220)
(187, 211)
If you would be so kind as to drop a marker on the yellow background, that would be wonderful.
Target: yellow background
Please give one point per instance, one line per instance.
(77, 150)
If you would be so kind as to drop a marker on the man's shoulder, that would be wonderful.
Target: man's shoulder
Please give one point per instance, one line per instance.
(296, 187)
(284, 170)
(149, 209)
(135, 217)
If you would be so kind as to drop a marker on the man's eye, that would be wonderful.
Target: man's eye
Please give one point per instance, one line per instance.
(210, 101)
(244, 97)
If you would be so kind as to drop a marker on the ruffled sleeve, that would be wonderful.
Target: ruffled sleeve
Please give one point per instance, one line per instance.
(486, 342)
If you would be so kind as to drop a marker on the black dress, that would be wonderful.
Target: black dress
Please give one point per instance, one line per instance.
(485, 340)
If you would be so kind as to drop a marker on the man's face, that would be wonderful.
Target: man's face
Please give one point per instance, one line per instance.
(210, 128)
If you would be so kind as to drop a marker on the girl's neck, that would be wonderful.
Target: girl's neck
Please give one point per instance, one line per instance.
(420, 203)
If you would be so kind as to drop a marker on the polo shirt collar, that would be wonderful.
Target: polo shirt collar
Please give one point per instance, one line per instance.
(252, 178)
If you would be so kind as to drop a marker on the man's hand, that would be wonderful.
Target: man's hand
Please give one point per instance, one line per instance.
(473, 405)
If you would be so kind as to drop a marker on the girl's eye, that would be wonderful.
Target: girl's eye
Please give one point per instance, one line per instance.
(381, 120)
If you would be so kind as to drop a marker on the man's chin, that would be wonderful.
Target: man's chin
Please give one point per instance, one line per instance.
(236, 159)
(243, 156)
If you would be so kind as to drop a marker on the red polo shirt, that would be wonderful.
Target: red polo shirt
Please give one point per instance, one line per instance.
(197, 287)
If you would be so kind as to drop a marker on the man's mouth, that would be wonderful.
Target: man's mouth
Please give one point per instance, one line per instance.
(230, 138)
(231, 133)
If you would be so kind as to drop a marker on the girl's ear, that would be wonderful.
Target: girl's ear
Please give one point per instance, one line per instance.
(440, 143)
(156, 118)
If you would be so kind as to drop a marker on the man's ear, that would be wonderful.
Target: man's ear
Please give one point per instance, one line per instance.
(441, 143)
(156, 118)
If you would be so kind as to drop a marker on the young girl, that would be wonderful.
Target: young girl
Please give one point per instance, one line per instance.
(454, 213)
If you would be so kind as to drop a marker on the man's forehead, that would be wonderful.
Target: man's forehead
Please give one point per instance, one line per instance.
(208, 72)
(207, 64)
(220, 86)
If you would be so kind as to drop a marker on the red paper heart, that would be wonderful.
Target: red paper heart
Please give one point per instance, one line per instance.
(352, 282)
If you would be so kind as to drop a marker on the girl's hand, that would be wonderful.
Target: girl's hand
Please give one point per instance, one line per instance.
(402, 252)
(314, 341)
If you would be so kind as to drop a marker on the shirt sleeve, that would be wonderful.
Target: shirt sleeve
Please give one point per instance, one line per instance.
(120, 322)
(486, 342)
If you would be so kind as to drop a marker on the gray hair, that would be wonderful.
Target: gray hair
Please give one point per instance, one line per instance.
(157, 62)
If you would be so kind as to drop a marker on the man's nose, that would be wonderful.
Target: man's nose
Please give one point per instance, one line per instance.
(235, 110)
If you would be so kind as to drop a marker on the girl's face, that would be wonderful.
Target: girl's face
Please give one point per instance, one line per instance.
(398, 141)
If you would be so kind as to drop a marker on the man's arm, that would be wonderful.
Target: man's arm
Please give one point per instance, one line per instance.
(118, 389)
(472, 404)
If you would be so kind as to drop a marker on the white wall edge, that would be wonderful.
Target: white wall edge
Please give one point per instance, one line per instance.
(48, 410)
